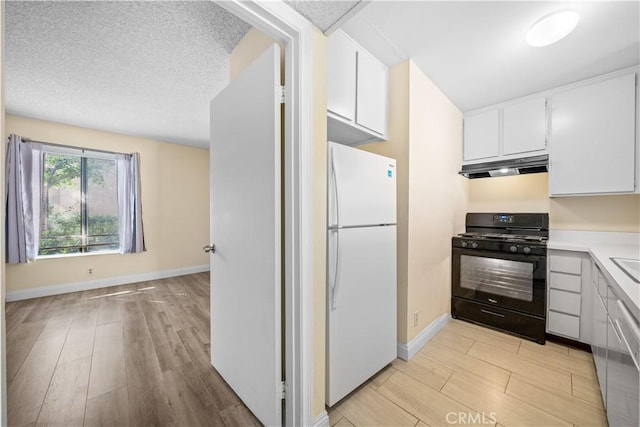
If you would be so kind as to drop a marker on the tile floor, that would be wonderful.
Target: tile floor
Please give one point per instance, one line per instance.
(469, 375)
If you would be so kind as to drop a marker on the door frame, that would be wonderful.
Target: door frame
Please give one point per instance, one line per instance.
(286, 26)
(3, 346)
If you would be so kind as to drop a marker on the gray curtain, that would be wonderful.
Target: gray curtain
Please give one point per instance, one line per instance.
(130, 203)
(23, 178)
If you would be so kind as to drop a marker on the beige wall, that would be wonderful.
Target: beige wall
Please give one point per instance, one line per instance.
(319, 217)
(249, 48)
(397, 147)
(437, 200)
(175, 206)
(529, 193)
(425, 138)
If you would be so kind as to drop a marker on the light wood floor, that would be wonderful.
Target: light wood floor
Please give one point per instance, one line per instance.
(129, 355)
(468, 375)
(139, 355)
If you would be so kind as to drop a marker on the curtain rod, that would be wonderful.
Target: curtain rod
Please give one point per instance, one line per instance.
(72, 146)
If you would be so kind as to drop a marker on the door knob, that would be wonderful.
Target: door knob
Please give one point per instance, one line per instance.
(209, 249)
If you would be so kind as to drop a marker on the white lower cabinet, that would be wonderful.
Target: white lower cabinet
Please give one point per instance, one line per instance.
(584, 306)
(615, 345)
(564, 302)
(598, 343)
(564, 324)
(568, 302)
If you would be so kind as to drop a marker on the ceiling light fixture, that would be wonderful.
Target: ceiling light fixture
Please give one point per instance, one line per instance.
(551, 28)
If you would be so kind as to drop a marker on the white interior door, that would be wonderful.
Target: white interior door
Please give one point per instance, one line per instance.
(246, 281)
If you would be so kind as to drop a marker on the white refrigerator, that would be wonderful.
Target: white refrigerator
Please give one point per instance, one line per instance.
(361, 273)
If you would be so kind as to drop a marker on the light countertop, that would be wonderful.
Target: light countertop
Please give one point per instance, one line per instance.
(603, 246)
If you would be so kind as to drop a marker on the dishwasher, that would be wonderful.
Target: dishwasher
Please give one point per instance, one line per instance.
(623, 368)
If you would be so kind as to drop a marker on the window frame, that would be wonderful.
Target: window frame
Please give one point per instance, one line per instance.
(83, 154)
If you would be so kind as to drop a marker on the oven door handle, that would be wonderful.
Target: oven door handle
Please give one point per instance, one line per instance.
(491, 313)
(498, 255)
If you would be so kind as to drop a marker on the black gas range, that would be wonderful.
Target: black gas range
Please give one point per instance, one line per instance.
(499, 272)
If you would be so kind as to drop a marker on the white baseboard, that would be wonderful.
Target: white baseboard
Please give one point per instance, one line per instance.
(322, 420)
(407, 351)
(46, 291)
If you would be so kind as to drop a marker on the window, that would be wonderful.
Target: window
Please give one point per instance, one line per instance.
(79, 203)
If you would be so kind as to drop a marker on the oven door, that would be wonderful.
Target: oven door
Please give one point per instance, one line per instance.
(511, 281)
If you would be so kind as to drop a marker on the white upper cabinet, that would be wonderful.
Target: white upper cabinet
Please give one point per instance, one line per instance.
(514, 129)
(357, 93)
(593, 142)
(481, 135)
(371, 103)
(524, 127)
(341, 76)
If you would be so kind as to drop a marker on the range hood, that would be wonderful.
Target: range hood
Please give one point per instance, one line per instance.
(509, 167)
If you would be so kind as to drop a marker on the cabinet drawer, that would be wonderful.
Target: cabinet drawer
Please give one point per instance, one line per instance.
(566, 264)
(566, 282)
(565, 302)
(564, 324)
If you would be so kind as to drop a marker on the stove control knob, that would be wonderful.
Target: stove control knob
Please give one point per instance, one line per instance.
(526, 250)
(474, 245)
(464, 244)
(513, 249)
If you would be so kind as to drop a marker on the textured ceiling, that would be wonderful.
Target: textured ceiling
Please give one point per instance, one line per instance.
(475, 51)
(323, 14)
(144, 68)
(140, 68)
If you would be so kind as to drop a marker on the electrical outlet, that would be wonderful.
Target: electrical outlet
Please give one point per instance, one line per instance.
(90, 271)
(415, 318)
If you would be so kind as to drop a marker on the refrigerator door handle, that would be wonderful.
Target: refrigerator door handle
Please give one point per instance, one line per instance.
(336, 274)
(336, 189)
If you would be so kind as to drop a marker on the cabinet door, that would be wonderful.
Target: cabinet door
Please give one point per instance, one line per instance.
(592, 147)
(372, 84)
(599, 341)
(622, 381)
(481, 135)
(524, 127)
(341, 75)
